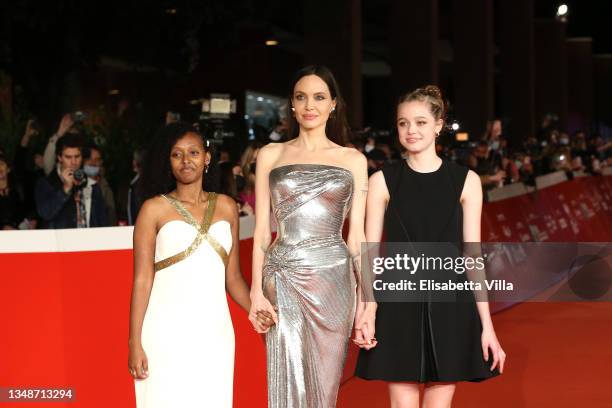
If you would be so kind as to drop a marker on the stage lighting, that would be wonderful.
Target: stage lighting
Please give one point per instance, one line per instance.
(562, 12)
(271, 43)
(455, 126)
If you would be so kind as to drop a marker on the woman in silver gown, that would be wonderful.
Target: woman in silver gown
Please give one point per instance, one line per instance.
(305, 278)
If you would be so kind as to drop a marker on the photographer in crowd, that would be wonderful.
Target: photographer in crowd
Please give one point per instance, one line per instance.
(70, 123)
(67, 198)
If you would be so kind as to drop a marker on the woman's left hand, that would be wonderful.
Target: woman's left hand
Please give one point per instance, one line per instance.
(265, 319)
(489, 342)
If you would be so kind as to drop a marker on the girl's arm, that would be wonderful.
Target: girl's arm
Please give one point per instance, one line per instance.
(366, 307)
(234, 281)
(471, 201)
(262, 236)
(145, 232)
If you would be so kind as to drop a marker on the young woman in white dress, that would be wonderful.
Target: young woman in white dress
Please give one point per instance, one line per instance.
(181, 345)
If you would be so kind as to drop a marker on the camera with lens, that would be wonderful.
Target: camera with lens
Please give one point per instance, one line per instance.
(80, 177)
(35, 125)
(79, 116)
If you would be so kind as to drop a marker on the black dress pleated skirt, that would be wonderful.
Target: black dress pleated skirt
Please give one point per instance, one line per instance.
(425, 341)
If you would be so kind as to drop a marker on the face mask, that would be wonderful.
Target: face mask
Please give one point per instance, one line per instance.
(91, 171)
(518, 164)
(495, 145)
(240, 183)
(368, 148)
(564, 141)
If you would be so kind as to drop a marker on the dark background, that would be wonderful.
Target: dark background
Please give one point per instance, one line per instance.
(61, 56)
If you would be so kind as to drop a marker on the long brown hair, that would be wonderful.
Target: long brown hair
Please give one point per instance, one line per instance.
(246, 165)
(336, 129)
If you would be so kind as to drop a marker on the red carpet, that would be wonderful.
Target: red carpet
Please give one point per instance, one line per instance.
(559, 355)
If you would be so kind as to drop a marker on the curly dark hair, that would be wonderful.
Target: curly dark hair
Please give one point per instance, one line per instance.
(157, 177)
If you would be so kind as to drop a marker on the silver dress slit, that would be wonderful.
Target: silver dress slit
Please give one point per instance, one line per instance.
(307, 274)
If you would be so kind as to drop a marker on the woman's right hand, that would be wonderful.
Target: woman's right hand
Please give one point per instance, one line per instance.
(138, 363)
(365, 327)
(261, 306)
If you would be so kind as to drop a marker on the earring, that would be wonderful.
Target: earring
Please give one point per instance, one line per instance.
(206, 168)
(293, 109)
(333, 108)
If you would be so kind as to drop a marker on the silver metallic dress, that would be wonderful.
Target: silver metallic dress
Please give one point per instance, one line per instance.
(307, 274)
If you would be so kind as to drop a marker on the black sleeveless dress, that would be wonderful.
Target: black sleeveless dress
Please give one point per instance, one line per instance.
(426, 341)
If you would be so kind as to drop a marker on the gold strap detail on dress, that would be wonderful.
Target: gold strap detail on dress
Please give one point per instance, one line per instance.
(206, 222)
(201, 235)
(183, 211)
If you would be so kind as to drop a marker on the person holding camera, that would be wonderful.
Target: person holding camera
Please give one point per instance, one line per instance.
(67, 198)
(70, 124)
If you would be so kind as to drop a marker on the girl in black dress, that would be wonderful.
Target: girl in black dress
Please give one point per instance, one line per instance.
(426, 199)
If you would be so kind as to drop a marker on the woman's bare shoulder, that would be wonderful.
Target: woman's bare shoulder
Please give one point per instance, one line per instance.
(227, 207)
(269, 154)
(153, 205)
(151, 211)
(353, 159)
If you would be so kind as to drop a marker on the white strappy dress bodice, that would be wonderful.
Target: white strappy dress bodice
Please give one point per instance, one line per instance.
(176, 235)
(187, 331)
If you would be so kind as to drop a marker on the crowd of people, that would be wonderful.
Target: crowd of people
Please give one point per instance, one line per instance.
(498, 163)
(61, 187)
(64, 184)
